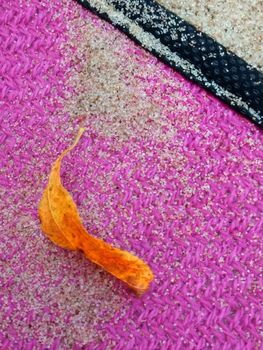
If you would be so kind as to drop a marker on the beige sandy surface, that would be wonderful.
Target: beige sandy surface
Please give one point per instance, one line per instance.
(237, 24)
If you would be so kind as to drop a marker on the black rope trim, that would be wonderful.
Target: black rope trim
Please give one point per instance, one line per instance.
(196, 55)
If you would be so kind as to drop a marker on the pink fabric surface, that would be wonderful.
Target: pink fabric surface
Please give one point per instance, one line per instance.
(185, 195)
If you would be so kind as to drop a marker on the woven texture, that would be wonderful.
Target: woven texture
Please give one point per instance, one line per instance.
(234, 25)
(197, 56)
(163, 170)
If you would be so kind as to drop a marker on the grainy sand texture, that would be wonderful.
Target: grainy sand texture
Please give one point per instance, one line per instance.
(164, 170)
(235, 24)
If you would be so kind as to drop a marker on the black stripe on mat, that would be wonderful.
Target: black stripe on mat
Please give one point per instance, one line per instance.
(196, 55)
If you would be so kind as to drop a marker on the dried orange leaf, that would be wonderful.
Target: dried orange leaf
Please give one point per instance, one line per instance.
(61, 222)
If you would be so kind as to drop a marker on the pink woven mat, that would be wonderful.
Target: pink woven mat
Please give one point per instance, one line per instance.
(178, 183)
